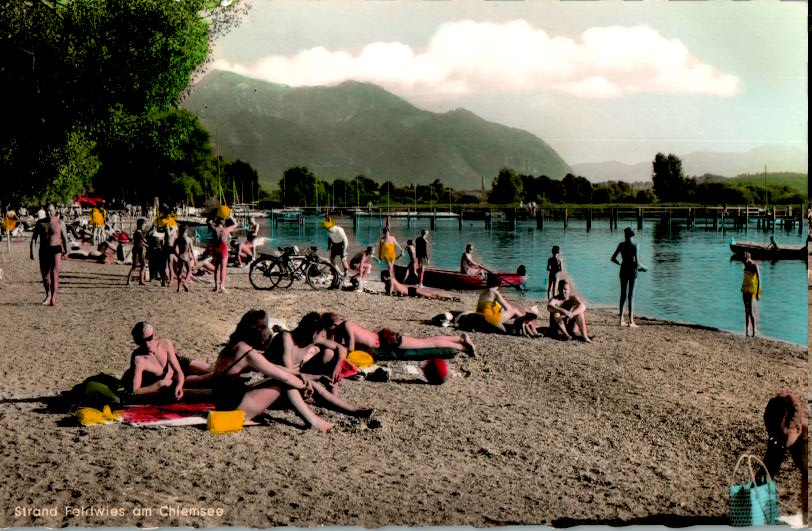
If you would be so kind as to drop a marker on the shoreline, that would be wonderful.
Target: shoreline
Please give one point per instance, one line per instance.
(640, 424)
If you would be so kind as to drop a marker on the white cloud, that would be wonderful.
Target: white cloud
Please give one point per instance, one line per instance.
(476, 57)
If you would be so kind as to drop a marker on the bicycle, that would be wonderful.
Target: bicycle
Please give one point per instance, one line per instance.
(269, 271)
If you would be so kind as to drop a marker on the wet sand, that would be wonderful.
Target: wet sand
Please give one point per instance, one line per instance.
(642, 426)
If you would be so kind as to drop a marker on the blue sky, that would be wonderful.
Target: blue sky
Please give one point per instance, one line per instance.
(603, 80)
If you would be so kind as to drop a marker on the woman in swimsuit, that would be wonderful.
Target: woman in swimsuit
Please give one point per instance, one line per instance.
(493, 306)
(222, 233)
(389, 249)
(242, 355)
(299, 351)
(751, 286)
(629, 267)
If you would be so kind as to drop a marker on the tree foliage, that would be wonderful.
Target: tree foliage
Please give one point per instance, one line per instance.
(667, 176)
(507, 188)
(74, 68)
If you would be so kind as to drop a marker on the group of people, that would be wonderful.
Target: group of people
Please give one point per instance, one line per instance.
(303, 364)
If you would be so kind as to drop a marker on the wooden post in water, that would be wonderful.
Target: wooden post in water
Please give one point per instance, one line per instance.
(488, 219)
(565, 218)
(409, 217)
(746, 217)
(589, 220)
(434, 220)
(540, 219)
(715, 219)
(512, 218)
(640, 218)
(460, 218)
(801, 219)
(772, 218)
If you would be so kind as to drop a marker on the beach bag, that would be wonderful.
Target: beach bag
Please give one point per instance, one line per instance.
(752, 504)
(98, 391)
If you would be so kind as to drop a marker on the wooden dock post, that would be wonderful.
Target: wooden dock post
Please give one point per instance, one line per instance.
(565, 218)
(611, 216)
(512, 219)
(800, 219)
(640, 218)
(409, 217)
(772, 218)
(540, 219)
(434, 221)
(460, 218)
(589, 220)
(746, 217)
(715, 219)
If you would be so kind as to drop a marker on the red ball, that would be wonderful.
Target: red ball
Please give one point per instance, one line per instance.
(435, 371)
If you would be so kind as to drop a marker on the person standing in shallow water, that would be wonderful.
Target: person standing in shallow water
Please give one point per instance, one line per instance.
(751, 287)
(629, 266)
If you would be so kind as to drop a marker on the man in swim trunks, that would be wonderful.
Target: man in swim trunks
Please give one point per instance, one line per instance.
(468, 265)
(246, 249)
(337, 243)
(156, 366)
(53, 247)
(387, 344)
(567, 314)
(422, 250)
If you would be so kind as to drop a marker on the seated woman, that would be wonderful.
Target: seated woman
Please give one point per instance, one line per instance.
(361, 265)
(156, 366)
(386, 344)
(297, 351)
(393, 287)
(243, 354)
(567, 314)
(493, 306)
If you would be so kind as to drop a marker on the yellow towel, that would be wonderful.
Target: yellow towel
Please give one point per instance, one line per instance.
(89, 416)
(221, 422)
(750, 284)
(360, 359)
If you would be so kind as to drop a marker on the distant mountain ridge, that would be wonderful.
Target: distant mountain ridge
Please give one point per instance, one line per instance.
(776, 158)
(358, 128)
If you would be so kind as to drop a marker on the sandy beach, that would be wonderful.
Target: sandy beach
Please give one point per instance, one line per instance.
(642, 426)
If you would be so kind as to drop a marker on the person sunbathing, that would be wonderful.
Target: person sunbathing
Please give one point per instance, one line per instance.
(787, 424)
(567, 314)
(387, 344)
(298, 350)
(393, 287)
(156, 366)
(244, 353)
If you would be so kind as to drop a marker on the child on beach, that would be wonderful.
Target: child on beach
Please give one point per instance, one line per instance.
(751, 287)
(139, 246)
(555, 267)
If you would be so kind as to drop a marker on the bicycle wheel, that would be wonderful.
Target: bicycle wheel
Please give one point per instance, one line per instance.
(322, 275)
(266, 272)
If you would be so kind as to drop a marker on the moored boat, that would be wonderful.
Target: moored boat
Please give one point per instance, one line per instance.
(447, 279)
(760, 251)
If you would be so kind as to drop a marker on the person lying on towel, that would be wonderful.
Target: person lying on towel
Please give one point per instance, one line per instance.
(387, 345)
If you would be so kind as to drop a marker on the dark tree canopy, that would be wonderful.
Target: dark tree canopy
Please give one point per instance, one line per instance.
(73, 68)
(669, 182)
(507, 188)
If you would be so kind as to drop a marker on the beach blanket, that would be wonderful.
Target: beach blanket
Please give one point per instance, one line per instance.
(148, 415)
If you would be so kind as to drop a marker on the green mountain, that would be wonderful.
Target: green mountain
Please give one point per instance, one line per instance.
(358, 128)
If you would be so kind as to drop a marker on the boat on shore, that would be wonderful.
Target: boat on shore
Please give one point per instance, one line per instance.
(761, 251)
(447, 279)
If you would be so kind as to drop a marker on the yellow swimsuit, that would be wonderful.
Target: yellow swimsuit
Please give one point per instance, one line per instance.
(491, 310)
(386, 252)
(750, 284)
(96, 218)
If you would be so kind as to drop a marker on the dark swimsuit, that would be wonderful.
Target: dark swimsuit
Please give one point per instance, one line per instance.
(628, 265)
(229, 389)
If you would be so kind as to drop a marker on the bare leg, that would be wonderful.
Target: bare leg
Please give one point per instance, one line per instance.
(623, 283)
(579, 324)
(631, 303)
(747, 299)
(55, 278)
(417, 343)
(560, 325)
(256, 401)
(299, 405)
(223, 271)
(217, 266)
(45, 270)
(339, 404)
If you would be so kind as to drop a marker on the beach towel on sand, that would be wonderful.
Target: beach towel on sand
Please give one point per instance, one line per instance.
(147, 415)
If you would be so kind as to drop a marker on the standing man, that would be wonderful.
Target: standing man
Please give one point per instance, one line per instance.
(53, 246)
(629, 266)
(422, 249)
(337, 243)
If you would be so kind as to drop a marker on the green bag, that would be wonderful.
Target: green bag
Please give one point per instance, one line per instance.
(752, 504)
(97, 391)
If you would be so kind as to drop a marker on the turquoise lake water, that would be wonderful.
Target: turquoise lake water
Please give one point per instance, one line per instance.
(690, 276)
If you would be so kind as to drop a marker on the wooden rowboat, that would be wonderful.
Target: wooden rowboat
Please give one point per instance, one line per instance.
(447, 279)
(759, 251)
